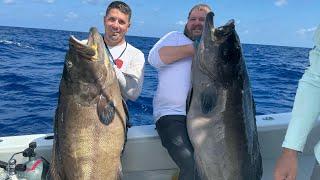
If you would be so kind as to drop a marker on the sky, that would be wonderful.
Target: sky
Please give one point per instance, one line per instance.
(269, 22)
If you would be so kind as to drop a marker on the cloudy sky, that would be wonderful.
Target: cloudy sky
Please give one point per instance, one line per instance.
(273, 22)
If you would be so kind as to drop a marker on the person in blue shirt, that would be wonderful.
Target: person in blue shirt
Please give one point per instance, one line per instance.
(306, 109)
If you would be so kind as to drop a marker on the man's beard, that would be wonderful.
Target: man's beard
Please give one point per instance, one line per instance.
(189, 34)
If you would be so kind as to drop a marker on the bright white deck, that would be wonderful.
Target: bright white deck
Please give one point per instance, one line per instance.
(145, 158)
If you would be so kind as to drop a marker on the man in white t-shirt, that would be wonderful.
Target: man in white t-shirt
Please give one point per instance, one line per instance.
(129, 61)
(172, 56)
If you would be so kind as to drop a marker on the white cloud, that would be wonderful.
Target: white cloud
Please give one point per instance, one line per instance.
(304, 31)
(8, 1)
(181, 23)
(280, 2)
(70, 16)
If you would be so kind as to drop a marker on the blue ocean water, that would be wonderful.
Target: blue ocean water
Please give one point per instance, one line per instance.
(31, 63)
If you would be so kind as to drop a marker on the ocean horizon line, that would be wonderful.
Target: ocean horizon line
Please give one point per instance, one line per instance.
(77, 31)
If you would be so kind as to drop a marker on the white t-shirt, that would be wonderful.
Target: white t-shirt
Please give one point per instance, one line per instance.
(130, 71)
(174, 79)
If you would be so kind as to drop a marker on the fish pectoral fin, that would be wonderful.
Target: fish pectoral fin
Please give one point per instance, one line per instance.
(208, 100)
(106, 110)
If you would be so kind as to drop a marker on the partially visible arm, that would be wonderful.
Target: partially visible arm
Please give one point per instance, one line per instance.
(305, 112)
(167, 50)
(287, 165)
(170, 54)
(132, 87)
(306, 107)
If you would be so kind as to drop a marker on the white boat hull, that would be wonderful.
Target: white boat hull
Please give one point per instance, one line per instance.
(145, 158)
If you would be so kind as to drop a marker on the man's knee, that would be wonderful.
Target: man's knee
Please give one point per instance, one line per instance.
(183, 157)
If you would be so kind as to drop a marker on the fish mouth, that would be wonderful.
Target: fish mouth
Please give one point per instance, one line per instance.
(216, 34)
(225, 30)
(82, 48)
(90, 49)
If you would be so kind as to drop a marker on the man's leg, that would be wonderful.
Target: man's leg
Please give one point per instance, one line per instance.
(316, 172)
(172, 130)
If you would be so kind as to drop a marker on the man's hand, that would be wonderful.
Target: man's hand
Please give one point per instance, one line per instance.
(286, 167)
(120, 76)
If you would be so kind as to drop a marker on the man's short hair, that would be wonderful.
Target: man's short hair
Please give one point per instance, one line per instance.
(121, 6)
(200, 7)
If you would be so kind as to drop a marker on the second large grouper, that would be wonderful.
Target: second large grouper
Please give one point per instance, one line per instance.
(90, 120)
(221, 118)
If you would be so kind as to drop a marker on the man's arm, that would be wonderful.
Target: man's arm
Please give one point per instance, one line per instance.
(306, 107)
(170, 54)
(133, 79)
(168, 50)
(304, 114)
